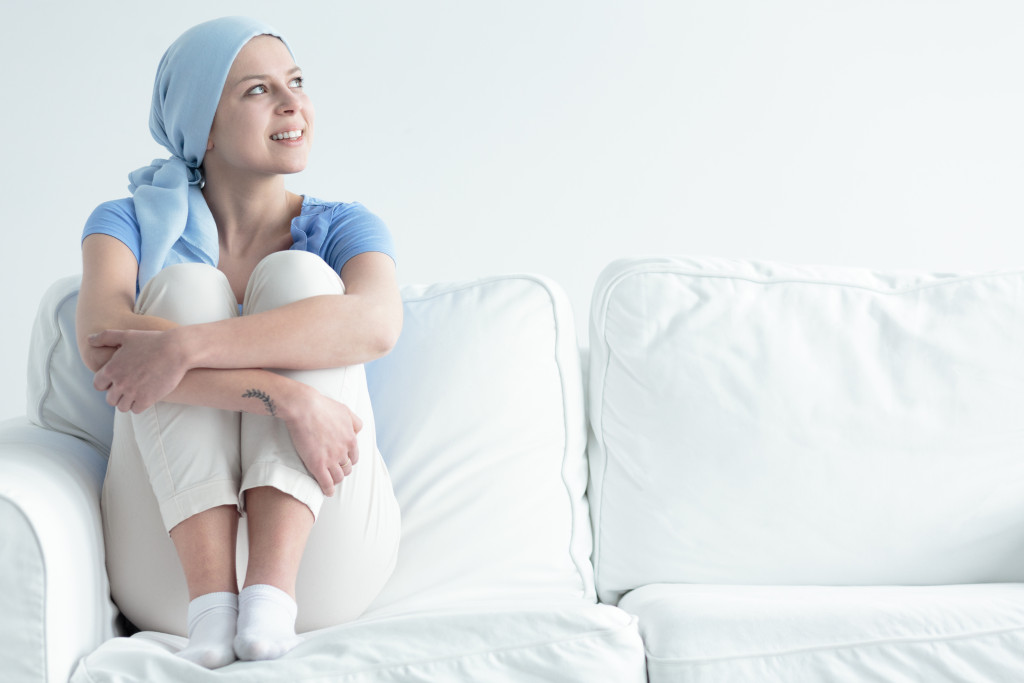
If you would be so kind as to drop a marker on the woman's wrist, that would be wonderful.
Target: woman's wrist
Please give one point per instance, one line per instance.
(290, 399)
(183, 342)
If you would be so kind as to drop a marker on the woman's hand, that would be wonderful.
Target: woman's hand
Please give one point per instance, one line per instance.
(324, 432)
(145, 367)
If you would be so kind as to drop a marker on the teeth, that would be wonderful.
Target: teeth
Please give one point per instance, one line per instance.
(288, 135)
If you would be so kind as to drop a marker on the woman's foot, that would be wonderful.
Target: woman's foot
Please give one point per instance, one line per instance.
(212, 619)
(266, 623)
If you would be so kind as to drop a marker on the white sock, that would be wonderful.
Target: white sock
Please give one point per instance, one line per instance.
(266, 623)
(211, 630)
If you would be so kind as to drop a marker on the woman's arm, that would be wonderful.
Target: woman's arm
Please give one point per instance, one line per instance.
(319, 332)
(106, 299)
(153, 354)
(322, 429)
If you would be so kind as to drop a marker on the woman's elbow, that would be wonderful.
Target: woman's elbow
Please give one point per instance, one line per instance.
(387, 335)
(384, 342)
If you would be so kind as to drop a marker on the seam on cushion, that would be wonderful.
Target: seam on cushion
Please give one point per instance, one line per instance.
(845, 646)
(42, 561)
(630, 625)
(473, 284)
(55, 319)
(565, 443)
(662, 270)
(599, 438)
(589, 635)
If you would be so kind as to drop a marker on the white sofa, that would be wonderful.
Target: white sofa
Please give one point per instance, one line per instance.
(772, 473)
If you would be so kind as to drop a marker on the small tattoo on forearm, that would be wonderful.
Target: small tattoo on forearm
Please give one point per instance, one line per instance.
(268, 403)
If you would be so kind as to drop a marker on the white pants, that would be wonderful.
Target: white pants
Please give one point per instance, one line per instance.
(173, 461)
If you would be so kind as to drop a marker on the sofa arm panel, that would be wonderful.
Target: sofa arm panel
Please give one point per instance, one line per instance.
(54, 597)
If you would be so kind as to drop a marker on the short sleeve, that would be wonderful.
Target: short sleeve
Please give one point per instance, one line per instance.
(117, 219)
(355, 230)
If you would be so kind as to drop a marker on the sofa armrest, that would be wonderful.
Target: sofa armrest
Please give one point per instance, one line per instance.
(55, 602)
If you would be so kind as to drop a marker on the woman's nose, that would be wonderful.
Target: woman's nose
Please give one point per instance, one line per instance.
(290, 102)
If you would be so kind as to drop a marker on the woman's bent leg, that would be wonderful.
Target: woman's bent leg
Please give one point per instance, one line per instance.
(352, 547)
(173, 469)
(279, 527)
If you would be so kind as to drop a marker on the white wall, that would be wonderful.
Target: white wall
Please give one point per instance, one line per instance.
(551, 137)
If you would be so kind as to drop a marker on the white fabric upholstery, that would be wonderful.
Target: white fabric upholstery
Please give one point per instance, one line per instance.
(765, 424)
(580, 643)
(846, 634)
(54, 598)
(756, 429)
(480, 418)
(60, 393)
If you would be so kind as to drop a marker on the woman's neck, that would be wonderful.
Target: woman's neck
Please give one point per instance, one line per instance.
(252, 214)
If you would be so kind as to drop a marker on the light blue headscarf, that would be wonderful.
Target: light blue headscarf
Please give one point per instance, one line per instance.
(175, 223)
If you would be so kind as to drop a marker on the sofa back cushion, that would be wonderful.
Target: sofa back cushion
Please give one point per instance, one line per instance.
(479, 414)
(60, 392)
(755, 423)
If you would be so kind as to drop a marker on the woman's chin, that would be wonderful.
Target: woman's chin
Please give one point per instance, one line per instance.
(293, 167)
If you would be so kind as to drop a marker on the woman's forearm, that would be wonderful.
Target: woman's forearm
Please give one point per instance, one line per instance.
(332, 330)
(318, 332)
(260, 392)
(323, 431)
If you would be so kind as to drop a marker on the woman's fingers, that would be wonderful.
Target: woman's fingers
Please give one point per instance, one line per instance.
(146, 366)
(117, 398)
(326, 481)
(106, 338)
(353, 449)
(100, 381)
(324, 435)
(340, 470)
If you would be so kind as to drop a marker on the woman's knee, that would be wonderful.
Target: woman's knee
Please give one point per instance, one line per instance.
(285, 277)
(188, 294)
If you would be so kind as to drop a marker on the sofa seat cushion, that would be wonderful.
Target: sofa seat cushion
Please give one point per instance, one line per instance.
(815, 633)
(571, 641)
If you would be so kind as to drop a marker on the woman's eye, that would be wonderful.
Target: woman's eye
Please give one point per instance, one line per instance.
(257, 90)
(296, 82)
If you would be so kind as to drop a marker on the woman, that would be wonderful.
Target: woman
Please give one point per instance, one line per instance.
(209, 273)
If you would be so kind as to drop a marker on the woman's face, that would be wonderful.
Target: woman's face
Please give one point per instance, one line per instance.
(264, 121)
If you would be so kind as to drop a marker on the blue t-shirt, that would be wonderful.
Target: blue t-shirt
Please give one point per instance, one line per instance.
(335, 231)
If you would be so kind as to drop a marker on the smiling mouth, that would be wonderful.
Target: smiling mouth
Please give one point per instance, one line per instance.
(287, 135)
